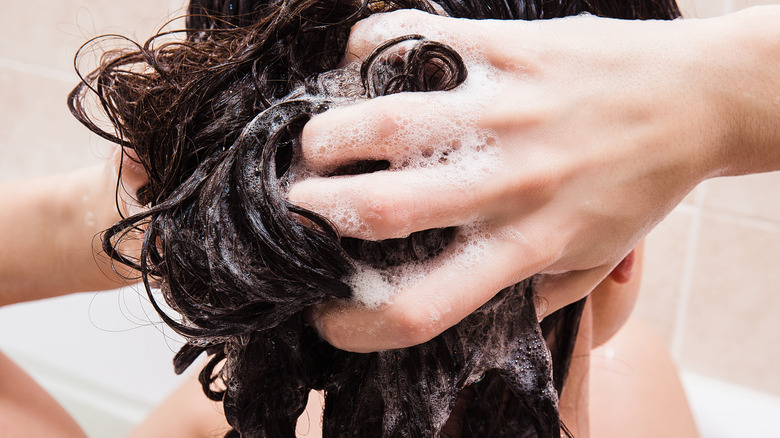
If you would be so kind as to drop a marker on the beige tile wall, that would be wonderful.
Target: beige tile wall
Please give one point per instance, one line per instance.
(37, 42)
(712, 279)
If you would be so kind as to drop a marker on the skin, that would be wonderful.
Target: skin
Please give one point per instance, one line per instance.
(53, 224)
(50, 225)
(578, 101)
(622, 379)
(596, 94)
(635, 384)
(54, 220)
(185, 413)
(28, 410)
(619, 367)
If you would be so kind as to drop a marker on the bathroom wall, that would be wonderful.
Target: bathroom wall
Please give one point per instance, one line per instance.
(712, 280)
(39, 39)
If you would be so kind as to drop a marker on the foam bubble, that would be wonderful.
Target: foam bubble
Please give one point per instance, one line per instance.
(442, 153)
(398, 134)
(370, 287)
(385, 27)
(374, 287)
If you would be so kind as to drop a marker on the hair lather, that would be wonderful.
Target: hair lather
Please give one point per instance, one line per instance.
(214, 120)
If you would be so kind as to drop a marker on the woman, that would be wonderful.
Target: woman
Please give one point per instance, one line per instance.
(214, 198)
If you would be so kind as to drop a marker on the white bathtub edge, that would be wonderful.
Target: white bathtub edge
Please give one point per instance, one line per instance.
(100, 411)
(724, 410)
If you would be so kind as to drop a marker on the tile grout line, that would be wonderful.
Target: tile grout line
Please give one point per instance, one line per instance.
(686, 283)
(745, 220)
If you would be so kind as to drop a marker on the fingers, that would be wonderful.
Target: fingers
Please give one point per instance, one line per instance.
(404, 129)
(391, 204)
(442, 169)
(460, 283)
(554, 292)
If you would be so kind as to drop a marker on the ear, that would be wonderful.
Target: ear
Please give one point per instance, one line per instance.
(624, 270)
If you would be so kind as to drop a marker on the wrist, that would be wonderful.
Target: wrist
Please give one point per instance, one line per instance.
(745, 58)
(85, 206)
(50, 225)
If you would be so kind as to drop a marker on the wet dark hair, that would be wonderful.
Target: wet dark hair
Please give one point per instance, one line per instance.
(214, 119)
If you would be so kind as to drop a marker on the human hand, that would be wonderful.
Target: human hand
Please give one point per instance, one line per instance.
(124, 168)
(591, 130)
(116, 198)
(126, 176)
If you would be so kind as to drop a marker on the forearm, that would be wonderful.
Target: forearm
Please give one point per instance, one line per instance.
(697, 98)
(50, 235)
(751, 62)
(27, 410)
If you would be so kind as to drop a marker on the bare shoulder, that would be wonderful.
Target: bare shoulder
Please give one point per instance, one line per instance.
(634, 386)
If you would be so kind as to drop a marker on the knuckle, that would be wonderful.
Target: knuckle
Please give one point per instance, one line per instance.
(386, 121)
(363, 38)
(414, 326)
(334, 337)
(380, 213)
(334, 332)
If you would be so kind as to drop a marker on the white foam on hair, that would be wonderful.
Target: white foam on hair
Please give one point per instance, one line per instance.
(456, 158)
(370, 280)
(375, 287)
(387, 26)
(457, 153)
